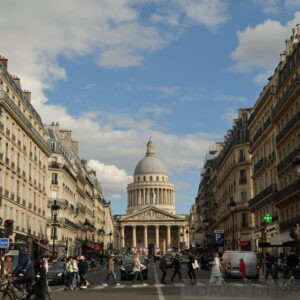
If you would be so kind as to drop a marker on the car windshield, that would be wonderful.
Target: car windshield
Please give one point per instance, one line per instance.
(57, 267)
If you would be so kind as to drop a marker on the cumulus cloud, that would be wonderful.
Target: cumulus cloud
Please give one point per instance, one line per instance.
(113, 32)
(259, 47)
(156, 110)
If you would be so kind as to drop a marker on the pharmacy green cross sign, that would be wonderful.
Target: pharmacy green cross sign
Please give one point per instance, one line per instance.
(268, 218)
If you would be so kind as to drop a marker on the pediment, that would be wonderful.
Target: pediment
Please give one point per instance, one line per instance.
(151, 214)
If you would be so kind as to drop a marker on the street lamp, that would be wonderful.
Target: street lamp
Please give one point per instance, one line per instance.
(232, 206)
(206, 225)
(117, 238)
(54, 212)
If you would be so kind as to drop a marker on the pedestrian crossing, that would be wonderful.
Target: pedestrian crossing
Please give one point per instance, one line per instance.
(156, 285)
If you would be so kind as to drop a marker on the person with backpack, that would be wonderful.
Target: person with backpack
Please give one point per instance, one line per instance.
(163, 268)
(177, 266)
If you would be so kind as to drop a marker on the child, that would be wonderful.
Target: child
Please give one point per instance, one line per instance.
(243, 270)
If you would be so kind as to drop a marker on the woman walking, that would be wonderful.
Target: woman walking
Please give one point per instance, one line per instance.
(70, 272)
(191, 271)
(216, 271)
(111, 271)
(137, 270)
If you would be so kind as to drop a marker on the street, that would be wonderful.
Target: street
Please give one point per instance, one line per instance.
(177, 290)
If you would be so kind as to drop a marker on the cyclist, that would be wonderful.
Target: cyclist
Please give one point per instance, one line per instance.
(26, 269)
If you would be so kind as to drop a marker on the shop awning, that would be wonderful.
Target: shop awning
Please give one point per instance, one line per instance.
(281, 239)
(95, 246)
(244, 243)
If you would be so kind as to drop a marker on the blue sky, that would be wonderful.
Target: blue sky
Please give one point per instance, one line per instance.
(114, 71)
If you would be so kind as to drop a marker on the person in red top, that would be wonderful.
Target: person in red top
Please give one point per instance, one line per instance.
(243, 269)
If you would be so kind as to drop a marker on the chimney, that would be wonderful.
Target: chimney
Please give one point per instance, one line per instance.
(282, 57)
(298, 28)
(27, 95)
(3, 61)
(289, 46)
(17, 81)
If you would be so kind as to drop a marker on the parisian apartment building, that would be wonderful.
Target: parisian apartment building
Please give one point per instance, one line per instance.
(40, 166)
(250, 184)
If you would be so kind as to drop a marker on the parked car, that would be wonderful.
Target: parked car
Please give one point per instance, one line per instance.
(231, 264)
(57, 273)
(127, 268)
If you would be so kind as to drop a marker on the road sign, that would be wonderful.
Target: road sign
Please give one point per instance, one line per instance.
(219, 237)
(4, 243)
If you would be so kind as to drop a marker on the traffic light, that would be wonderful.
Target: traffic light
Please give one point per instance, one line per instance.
(8, 227)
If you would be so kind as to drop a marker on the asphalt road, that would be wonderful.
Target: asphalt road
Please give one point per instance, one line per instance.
(170, 291)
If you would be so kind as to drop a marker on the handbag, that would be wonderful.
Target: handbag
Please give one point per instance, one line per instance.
(195, 265)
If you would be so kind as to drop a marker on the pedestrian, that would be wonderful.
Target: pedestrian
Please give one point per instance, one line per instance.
(269, 266)
(216, 271)
(75, 275)
(111, 271)
(191, 271)
(137, 270)
(292, 261)
(177, 266)
(69, 270)
(163, 268)
(243, 270)
(82, 267)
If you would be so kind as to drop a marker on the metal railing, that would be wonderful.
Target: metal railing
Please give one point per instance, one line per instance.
(263, 194)
(288, 160)
(294, 120)
(289, 223)
(287, 191)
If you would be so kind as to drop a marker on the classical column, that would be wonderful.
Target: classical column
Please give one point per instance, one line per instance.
(179, 237)
(164, 196)
(168, 235)
(157, 235)
(133, 236)
(146, 236)
(139, 197)
(183, 231)
(122, 237)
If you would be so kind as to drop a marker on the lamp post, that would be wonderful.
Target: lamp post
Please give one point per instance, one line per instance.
(54, 212)
(206, 225)
(181, 239)
(117, 238)
(232, 206)
(188, 239)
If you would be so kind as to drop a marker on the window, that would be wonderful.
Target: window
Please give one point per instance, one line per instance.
(157, 178)
(138, 179)
(243, 177)
(54, 178)
(151, 178)
(244, 196)
(242, 155)
(144, 178)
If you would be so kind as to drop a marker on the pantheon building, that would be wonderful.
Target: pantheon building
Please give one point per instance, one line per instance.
(151, 220)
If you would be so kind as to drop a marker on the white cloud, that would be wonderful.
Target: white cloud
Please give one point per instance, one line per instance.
(269, 6)
(260, 46)
(292, 3)
(230, 98)
(156, 110)
(262, 78)
(229, 115)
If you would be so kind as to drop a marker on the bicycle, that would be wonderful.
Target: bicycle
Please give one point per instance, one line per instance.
(8, 292)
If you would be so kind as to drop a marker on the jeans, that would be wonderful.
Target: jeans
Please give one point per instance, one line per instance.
(164, 274)
(269, 271)
(69, 280)
(191, 273)
(174, 274)
(19, 282)
(136, 275)
(114, 277)
(82, 279)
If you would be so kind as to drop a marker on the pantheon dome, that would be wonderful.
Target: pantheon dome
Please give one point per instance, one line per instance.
(151, 185)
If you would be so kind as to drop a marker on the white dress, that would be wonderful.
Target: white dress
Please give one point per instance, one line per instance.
(215, 271)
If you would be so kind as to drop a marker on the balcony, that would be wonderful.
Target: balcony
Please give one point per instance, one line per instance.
(288, 160)
(55, 182)
(80, 192)
(263, 194)
(80, 207)
(4, 96)
(68, 171)
(291, 123)
(286, 96)
(261, 130)
(287, 225)
(54, 165)
(60, 202)
(287, 192)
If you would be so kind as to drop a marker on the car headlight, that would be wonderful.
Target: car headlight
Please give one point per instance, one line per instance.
(59, 274)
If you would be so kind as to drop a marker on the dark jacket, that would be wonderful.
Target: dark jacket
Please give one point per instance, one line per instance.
(191, 261)
(292, 260)
(162, 264)
(25, 266)
(83, 266)
(176, 264)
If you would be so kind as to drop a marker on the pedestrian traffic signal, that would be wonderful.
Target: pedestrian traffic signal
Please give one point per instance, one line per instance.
(8, 227)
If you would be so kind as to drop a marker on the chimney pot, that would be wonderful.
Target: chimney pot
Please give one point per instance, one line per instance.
(27, 95)
(3, 61)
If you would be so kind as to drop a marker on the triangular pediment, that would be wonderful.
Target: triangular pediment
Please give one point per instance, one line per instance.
(151, 213)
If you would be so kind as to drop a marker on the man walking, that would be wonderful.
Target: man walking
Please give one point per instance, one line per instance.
(163, 268)
(111, 271)
(83, 267)
(191, 271)
(269, 266)
(176, 265)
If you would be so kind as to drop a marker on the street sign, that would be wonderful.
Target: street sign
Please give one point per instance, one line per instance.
(4, 243)
(219, 237)
(268, 218)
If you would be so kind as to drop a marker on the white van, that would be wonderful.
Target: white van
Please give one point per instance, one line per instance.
(231, 264)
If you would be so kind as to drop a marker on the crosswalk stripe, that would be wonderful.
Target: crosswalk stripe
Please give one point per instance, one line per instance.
(99, 287)
(257, 285)
(237, 284)
(179, 284)
(119, 286)
(200, 284)
(159, 285)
